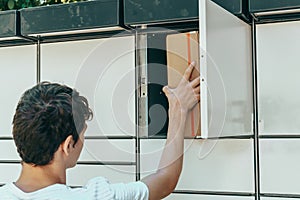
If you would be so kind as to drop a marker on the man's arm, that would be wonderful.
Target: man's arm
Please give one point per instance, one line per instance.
(181, 100)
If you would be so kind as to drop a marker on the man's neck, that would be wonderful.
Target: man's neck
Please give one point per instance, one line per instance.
(33, 177)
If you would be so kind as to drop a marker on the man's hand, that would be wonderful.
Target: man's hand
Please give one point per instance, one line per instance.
(187, 94)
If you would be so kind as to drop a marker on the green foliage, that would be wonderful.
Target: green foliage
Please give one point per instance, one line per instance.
(18, 4)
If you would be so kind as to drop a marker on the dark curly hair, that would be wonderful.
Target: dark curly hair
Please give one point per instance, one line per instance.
(45, 116)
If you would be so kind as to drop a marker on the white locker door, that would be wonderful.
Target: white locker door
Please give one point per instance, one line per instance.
(81, 174)
(279, 166)
(226, 72)
(228, 167)
(103, 70)
(17, 74)
(278, 47)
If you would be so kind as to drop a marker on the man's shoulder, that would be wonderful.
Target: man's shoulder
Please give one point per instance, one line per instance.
(96, 188)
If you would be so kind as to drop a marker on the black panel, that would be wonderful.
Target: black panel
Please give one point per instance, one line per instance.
(272, 5)
(233, 6)
(157, 78)
(70, 17)
(237, 7)
(154, 11)
(8, 24)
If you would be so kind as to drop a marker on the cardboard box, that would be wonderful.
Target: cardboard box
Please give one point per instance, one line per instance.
(182, 49)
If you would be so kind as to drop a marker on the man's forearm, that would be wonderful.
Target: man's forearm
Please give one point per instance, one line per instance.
(173, 151)
(170, 165)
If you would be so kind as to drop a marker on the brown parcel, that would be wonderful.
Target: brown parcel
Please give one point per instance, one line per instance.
(182, 49)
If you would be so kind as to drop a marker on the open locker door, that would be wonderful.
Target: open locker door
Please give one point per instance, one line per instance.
(226, 73)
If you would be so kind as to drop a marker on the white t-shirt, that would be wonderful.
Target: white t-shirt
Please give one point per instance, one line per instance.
(96, 189)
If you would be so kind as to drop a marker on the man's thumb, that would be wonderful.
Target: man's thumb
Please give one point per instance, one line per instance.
(166, 90)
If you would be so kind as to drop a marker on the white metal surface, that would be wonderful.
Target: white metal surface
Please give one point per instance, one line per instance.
(8, 151)
(278, 47)
(81, 174)
(108, 150)
(102, 70)
(276, 198)
(17, 74)
(228, 167)
(9, 172)
(280, 163)
(225, 67)
(203, 68)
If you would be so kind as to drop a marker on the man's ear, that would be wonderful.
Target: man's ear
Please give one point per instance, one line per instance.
(67, 145)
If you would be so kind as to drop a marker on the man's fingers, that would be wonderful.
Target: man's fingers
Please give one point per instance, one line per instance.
(195, 82)
(166, 90)
(197, 90)
(189, 70)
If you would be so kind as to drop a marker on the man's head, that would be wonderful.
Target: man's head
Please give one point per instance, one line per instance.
(46, 116)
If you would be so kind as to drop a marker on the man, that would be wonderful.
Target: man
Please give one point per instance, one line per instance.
(48, 129)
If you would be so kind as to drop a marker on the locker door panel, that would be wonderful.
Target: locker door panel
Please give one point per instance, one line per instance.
(278, 45)
(108, 150)
(103, 71)
(280, 166)
(9, 172)
(227, 167)
(226, 71)
(277, 198)
(81, 174)
(17, 74)
(8, 150)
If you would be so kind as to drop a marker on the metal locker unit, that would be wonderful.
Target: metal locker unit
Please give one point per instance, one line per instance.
(85, 24)
(225, 43)
(20, 72)
(275, 30)
(222, 37)
(17, 73)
